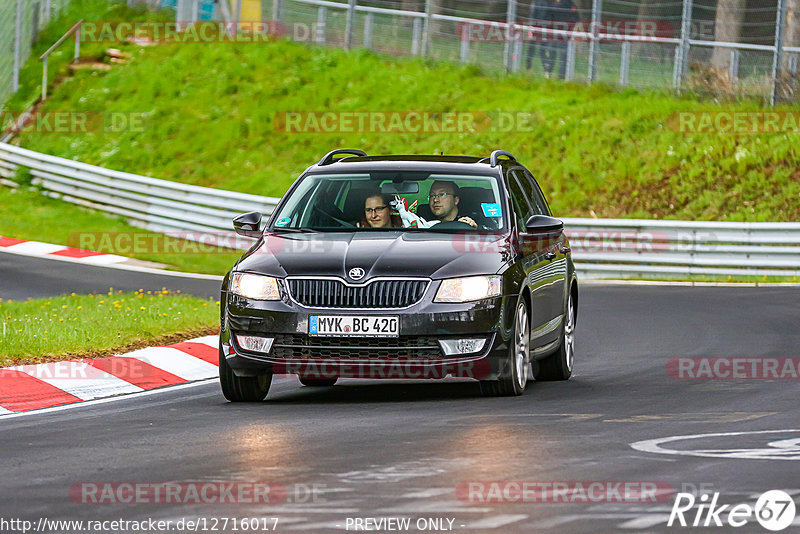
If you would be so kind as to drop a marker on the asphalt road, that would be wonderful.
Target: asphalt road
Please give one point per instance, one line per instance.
(23, 277)
(402, 449)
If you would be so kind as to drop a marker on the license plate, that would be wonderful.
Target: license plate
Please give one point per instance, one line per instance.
(356, 326)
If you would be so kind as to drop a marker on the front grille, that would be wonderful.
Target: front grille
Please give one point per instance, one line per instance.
(325, 293)
(301, 347)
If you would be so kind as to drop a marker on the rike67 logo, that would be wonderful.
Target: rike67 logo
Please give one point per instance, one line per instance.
(774, 510)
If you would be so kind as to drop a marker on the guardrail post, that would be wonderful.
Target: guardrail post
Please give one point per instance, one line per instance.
(682, 53)
(44, 80)
(516, 62)
(277, 10)
(77, 44)
(349, 24)
(625, 62)
(416, 35)
(17, 47)
(594, 45)
(46, 13)
(510, 38)
(570, 74)
(322, 21)
(733, 70)
(780, 28)
(464, 42)
(428, 28)
(368, 30)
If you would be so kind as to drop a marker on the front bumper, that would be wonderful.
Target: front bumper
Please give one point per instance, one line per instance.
(415, 354)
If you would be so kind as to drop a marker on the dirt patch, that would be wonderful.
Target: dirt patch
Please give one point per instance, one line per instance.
(160, 341)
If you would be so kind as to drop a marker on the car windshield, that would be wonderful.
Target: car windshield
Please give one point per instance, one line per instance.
(408, 201)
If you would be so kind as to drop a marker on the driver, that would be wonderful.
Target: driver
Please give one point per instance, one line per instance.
(443, 201)
(378, 213)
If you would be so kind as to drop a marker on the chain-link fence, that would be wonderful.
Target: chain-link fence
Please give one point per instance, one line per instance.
(735, 47)
(20, 23)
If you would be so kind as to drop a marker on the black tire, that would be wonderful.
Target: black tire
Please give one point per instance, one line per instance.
(558, 366)
(242, 389)
(318, 382)
(513, 382)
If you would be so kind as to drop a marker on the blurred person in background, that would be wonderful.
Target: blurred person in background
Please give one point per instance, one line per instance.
(552, 14)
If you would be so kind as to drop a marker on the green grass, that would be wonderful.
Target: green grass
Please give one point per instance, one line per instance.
(88, 10)
(211, 107)
(70, 325)
(33, 216)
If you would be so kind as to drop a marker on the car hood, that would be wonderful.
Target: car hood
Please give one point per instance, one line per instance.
(424, 254)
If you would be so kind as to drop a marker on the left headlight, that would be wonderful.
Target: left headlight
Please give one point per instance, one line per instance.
(469, 289)
(255, 286)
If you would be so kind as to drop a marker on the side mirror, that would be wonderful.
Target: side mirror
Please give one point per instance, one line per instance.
(540, 224)
(248, 224)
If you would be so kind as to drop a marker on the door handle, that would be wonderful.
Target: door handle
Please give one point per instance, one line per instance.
(550, 256)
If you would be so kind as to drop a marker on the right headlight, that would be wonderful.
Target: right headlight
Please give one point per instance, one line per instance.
(469, 288)
(255, 286)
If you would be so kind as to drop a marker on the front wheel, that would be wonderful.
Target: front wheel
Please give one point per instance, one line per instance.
(513, 383)
(559, 365)
(242, 389)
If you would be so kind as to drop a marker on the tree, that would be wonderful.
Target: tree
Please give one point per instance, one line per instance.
(727, 28)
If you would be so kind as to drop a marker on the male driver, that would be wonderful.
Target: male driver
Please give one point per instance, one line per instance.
(443, 200)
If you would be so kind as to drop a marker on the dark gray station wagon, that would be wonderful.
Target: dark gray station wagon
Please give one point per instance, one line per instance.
(402, 267)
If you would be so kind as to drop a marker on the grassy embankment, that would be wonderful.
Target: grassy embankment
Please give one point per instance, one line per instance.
(27, 215)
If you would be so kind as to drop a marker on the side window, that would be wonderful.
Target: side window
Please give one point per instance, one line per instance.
(537, 198)
(519, 200)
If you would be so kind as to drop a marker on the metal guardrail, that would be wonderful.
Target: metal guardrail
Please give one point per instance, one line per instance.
(613, 248)
(602, 248)
(158, 205)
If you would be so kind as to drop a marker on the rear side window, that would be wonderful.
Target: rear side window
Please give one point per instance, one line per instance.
(535, 194)
(519, 199)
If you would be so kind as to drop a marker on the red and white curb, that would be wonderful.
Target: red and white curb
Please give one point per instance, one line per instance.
(32, 387)
(37, 248)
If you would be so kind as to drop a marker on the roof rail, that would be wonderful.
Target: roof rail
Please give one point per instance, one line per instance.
(328, 159)
(497, 153)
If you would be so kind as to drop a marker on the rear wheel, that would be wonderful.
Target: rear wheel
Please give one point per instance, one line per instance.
(559, 365)
(318, 382)
(513, 383)
(242, 389)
